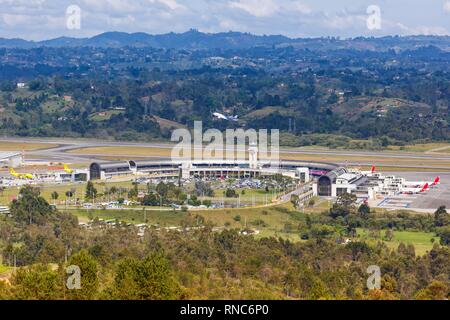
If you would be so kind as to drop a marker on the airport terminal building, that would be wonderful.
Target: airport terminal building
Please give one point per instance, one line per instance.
(327, 179)
(11, 159)
(203, 169)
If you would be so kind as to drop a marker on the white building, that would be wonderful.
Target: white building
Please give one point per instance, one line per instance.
(11, 159)
(209, 168)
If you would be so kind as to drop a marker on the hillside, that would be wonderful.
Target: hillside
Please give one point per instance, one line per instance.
(194, 39)
(315, 91)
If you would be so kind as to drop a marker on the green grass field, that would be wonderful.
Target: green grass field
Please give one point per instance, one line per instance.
(420, 147)
(24, 146)
(421, 240)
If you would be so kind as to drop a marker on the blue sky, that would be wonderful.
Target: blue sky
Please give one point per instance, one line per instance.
(44, 19)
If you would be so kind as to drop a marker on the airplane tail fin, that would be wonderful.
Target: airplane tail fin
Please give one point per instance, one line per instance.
(436, 181)
(67, 169)
(373, 169)
(425, 187)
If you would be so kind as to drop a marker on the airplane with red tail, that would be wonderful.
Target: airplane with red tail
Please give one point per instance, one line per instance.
(437, 181)
(418, 184)
(416, 190)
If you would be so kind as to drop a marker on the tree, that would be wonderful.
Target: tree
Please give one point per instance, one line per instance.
(441, 217)
(295, 200)
(36, 282)
(203, 189)
(444, 234)
(55, 196)
(436, 290)
(149, 279)
(364, 210)
(150, 200)
(319, 231)
(31, 208)
(207, 203)
(231, 193)
(343, 206)
(89, 279)
(162, 189)
(91, 191)
(389, 234)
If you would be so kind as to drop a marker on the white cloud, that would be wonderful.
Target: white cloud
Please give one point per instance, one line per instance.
(424, 30)
(295, 18)
(257, 8)
(172, 4)
(301, 7)
(447, 6)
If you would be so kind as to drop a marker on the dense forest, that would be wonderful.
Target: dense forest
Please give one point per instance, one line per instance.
(203, 263)
(330, 95)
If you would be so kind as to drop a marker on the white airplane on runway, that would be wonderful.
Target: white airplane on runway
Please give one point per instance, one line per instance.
(224, 117)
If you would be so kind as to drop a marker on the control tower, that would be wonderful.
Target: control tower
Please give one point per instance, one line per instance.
(253, 155)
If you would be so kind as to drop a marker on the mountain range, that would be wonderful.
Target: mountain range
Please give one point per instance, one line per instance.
(194, 39)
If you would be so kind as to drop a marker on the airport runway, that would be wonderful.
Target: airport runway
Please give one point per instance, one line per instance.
(60, 153)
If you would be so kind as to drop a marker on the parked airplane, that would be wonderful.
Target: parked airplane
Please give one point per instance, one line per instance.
(372, 171)
(20, 175)
(67, 169)
(224, 117)
(417, 184)
(437, 181)
(415, 190)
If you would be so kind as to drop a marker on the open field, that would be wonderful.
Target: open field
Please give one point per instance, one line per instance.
(421, 147)
(422, 241)
(127, 150)
(20, 146)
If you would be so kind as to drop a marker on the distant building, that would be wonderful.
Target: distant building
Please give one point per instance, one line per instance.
(21, 85)
(11, 159)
